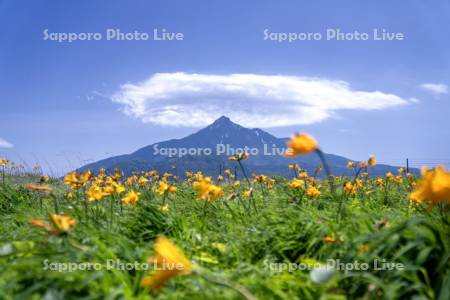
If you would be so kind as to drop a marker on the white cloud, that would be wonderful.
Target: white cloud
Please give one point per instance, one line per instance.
(181, 99)
(435, 88)
(5, 144)
(415, 100)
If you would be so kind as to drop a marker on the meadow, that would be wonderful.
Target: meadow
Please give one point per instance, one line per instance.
(109, 235)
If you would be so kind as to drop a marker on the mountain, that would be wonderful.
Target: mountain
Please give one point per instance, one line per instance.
(208, 150)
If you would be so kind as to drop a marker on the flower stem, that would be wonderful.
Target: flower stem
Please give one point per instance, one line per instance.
(223, 282)
(327, 169)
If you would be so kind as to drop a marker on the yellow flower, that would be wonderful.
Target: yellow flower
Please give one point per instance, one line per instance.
(312, 192)
(142, 181)
(248, 193)
(167, 175)
(260, 178)
(58, 224)
(165, 187)
(350, 164)
(389, 176)
(372, 161)
(95, 193)
(433, 188)
(328, 240)
(349, 188)
(303, 175)
(130, 180)
(220, 178)
(399, 179)
(379, 181)
(71, 179)
(114, 188)
(165, 207)
(4, 162)
(237, 183)
(131, 198)
(296, 183)
(170, 262)
(215, 192)
(301, 143)
(44, 178)
(358, 183)
(401, 170)
(85, 177)
(271, 183)
(206, 189)
(117, 174)
(35, 187)
(363, 248)
(152, 173)
(62, 223)
(239, 157)
(227, 172)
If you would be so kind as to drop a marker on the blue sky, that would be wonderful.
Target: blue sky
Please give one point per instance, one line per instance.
(64, 104)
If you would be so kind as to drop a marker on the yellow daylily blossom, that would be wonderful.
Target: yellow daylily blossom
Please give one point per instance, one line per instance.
(301, 144)
(142, 181)
(248, 193)
(296, 184)
(260, 178)
(96, 193)
(131, 198)
(165, 187)
(207, 190)
(328, 240)
(85, 177)
(71, 179)
(399, 179)
(44, 179)
(312, 192)
(349, 188)
(379, 181)
(169, 262)
(372, 161)
(35, 187)
(114, 188)
(433, 187)
(239, 157)
(59, 224)
(4, 162)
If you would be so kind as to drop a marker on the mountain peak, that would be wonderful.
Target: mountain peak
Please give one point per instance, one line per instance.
(223, 120)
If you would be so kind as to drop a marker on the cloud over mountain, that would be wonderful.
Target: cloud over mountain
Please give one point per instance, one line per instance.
(195, 100)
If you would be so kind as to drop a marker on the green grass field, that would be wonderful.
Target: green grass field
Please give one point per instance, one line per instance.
(272, 244)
